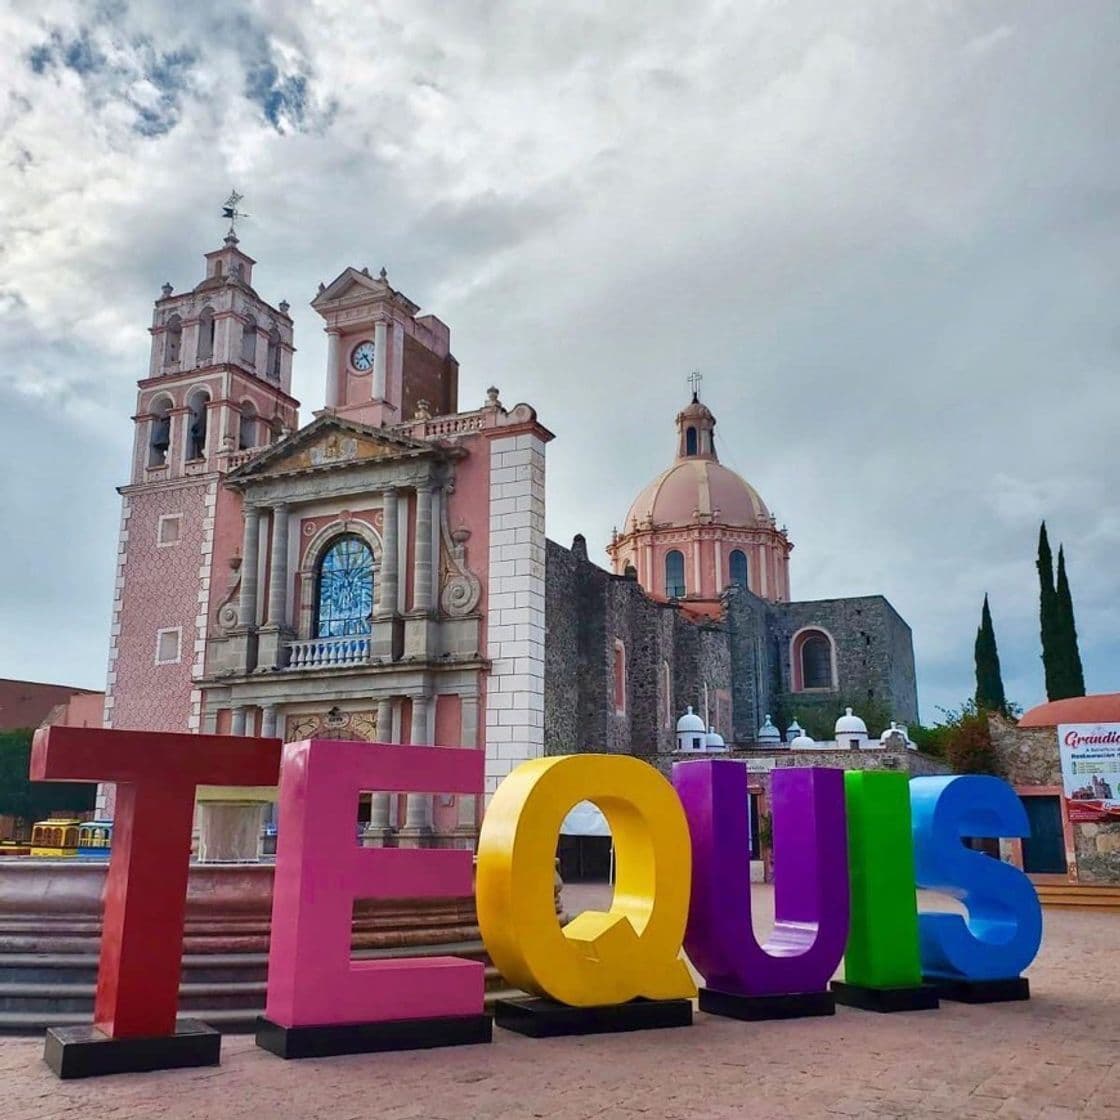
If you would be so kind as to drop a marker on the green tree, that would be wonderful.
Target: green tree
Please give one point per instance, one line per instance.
(21, 797)
(989, 682)
(1072, 677)
(1048, 618)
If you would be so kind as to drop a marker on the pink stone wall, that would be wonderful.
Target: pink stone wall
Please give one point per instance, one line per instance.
(160, 591)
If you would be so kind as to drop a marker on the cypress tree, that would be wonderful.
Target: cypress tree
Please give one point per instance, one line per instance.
(989, 681)
(1048, 617)
(1072, 675)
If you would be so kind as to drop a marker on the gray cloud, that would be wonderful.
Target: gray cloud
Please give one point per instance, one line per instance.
(885, 231)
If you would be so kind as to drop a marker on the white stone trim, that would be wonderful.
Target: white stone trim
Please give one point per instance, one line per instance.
(201, 628)
(515, 624)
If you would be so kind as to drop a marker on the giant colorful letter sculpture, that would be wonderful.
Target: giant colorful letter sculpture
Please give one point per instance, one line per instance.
(145, 893)
(599, 958)
(321, 870)
(1004, 927)
(882, 947)
(810, 879)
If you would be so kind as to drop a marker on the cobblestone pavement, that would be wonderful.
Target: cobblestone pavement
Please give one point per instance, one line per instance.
(1056, 1056)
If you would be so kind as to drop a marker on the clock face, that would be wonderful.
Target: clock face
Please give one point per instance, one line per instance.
(361, 357)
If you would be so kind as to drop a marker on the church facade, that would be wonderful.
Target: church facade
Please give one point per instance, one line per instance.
(381, 573)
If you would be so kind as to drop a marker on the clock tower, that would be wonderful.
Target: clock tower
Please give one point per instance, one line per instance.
(385, 364)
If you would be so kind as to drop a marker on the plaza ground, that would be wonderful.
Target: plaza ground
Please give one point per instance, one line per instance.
(1056, 1056)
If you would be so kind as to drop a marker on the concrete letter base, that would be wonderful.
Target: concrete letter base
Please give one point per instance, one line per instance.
(756, 1008)
(86, 1052)
(327, 1040)
(920, 998)
(542, 1018)
(980, 991)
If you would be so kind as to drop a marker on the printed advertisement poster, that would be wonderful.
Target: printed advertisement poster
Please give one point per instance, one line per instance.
(1090, 755)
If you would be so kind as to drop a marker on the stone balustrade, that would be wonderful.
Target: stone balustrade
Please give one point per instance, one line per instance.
(315, 653)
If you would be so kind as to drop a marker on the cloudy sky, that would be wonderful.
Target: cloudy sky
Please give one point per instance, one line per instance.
(886, 232)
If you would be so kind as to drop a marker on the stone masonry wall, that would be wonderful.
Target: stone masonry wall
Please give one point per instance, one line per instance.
(874, 656)
(587, 610)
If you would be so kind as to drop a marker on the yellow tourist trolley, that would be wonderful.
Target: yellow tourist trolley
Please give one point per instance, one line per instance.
(55, 839)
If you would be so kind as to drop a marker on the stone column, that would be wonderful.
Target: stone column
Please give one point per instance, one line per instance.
(334, 373)
(380, 830)
(238, 720)
(271, 649)
(380, 354)
(250, 549)
(278, 569)
(270, 718)
(387, 586)
(417, 830)
(466, 825)
(422, 571)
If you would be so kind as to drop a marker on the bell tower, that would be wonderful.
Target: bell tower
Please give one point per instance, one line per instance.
(216, 391)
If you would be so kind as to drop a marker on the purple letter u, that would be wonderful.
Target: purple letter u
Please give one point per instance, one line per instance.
(810, 878)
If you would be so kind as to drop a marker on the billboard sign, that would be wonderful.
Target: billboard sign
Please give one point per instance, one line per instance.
(1090, 754)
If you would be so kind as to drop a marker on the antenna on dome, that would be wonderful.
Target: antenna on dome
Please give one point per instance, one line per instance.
(694, 379)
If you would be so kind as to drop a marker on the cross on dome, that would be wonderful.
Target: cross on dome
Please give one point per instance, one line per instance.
(694, 379)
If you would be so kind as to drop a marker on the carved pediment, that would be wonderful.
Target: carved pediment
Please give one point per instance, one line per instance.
(328, 442)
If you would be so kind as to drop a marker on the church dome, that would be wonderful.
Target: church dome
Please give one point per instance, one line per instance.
(701, 485)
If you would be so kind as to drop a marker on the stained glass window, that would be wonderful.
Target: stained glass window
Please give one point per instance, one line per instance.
(345, 589)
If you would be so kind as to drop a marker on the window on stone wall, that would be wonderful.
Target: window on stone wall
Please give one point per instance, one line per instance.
(619, 678)
(674, 574)
(167, 645)
(690, 441)
(198, 402)
(170, 526)
(205, 335)
(247, 436)
(813, 660)
(173, 341)
(345, 589)
(249, 341)
(737, 565)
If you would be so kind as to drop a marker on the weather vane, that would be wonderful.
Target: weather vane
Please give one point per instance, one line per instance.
(230, 209)
(694, 379)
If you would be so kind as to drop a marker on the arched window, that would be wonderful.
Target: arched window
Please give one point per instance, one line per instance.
(674, 574)
(272, 367)
(690, 441)
(248, 434)
(173, 341)
(345, 592)
(205, 335)
(196, 439)
(737, 565)
(159, 439)
(249, 341)
(812, 660)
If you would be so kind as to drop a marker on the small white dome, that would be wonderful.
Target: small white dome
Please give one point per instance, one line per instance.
(768, 733)
(715, 740)
(849, 724)
(802, 742)
(793, 731)
(690, 722)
